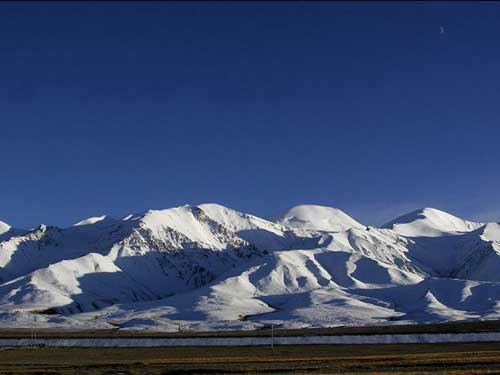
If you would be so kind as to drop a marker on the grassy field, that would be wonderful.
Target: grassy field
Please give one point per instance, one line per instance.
(453, 327)
(449, 359)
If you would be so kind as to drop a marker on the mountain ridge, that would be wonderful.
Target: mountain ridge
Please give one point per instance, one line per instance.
(212, 267)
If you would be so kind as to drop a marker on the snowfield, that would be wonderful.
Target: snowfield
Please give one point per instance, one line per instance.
(209, 267)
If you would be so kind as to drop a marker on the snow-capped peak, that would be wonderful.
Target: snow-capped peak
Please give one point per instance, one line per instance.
(210, 265)
(181, 219)
(92, 220)
(491, 232)
(188, 225)
(314, 217)
(4, 227)
(236, 220)
(430, 222)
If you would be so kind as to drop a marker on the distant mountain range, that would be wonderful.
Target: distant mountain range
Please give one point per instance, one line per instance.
(210, 267)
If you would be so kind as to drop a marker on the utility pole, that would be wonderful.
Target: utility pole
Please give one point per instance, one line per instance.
(33, 333)
(272, 336)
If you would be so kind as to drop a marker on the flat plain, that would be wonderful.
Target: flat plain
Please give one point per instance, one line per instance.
(450, 359)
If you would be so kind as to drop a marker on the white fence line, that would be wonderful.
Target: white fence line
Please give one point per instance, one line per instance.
(256, 341)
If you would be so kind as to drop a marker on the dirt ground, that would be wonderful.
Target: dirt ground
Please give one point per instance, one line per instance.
(449, 359)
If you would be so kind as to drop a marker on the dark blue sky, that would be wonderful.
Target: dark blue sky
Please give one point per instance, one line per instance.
(118, 108)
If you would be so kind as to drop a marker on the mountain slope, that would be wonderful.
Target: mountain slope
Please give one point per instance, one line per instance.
(162, 251)
(313, 217)
(4, 227)
(6, 231)
(212, 267)
(264, 234)
(429, 222)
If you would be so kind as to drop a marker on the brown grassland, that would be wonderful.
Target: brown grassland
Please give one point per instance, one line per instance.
(408, 359)
(449, 359)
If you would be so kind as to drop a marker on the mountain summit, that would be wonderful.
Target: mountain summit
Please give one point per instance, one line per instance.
(4, 227)
(308, 216)
(430, 222)
(211, 267)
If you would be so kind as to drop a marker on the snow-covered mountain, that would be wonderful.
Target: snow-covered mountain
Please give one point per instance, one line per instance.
(314, 217)
(4, 227)
(429, 222)
(6, 231)
(212, 267)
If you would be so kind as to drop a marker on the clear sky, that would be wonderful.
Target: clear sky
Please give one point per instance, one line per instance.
(372, 108)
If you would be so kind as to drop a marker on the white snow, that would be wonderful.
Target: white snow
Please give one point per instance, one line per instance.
(4, 227)
(238, 221)
(429, 222)
(491, 232)
(315, 217)
(209, 267)
(91, 220)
